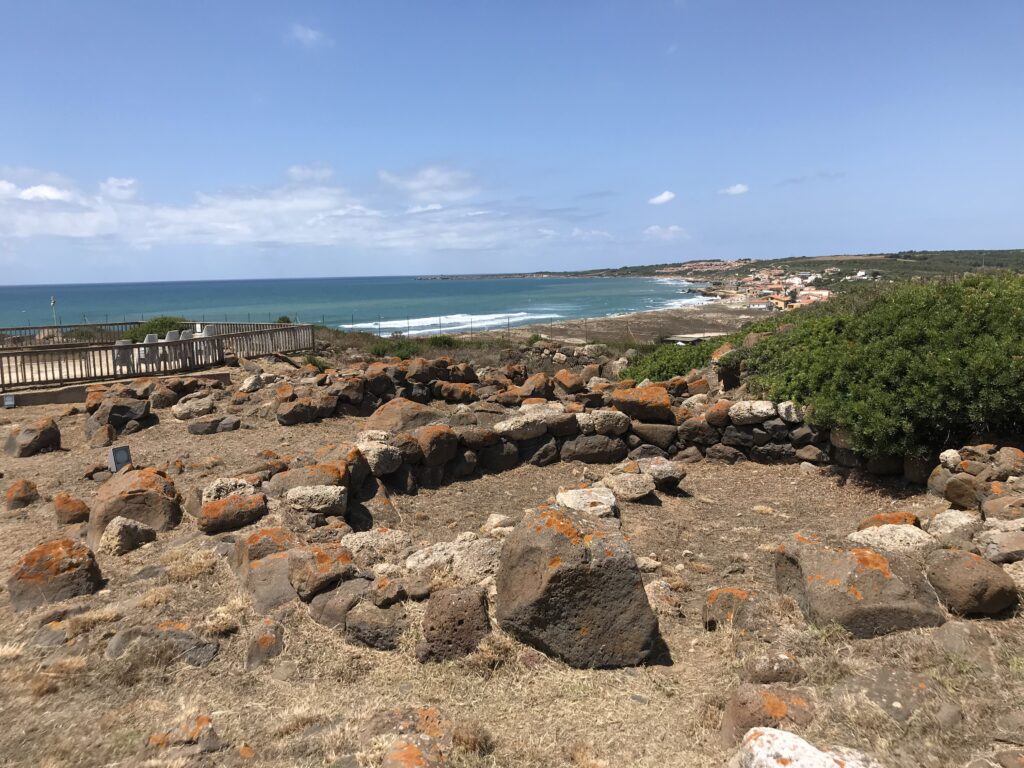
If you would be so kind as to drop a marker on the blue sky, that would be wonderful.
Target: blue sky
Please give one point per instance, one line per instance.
(257, 139)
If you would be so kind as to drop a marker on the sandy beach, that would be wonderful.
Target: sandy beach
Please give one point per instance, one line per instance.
(649, 327)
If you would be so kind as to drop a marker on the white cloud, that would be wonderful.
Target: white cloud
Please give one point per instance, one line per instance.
(308, 37)
(735, 189)
(665, 234)
(119, 189)
(664, 197)
(434, 184)
(304, 210)
(44, 192)
(302, 173)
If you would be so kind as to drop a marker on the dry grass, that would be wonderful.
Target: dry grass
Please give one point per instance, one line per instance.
(185, 565)
(11, 651)
(81, 623)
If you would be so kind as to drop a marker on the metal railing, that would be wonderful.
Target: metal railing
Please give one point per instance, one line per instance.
(40, 366)
(81, 335)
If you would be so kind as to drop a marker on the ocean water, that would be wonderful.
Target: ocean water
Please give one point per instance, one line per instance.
(388, 304)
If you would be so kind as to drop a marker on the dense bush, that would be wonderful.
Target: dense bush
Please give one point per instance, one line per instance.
(913, 369)
(158, 325)
(906, 369)
(443, 341)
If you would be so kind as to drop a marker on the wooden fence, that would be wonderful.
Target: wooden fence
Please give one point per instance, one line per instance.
(74, 364)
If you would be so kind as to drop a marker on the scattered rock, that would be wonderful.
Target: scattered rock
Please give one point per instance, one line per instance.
(146, 495)
(595, 501)
(771, 748)
(267, 641)
(374, 627)
(968, 584)
(41, 436)
(402, 415)
(900, 539)
(319, 499)
(862, 590)
(629, 486)
(730, 608)
(231, 512)
(69, 510)
(173, 640)
(51, 572)
(772, 666)
(20, 494)
(315, 568)
(123, 536)
(571, 588)
(454, 624)
(753, 706)
(197, 732)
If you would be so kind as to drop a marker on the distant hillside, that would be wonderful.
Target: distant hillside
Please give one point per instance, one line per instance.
(904, 264)
(893, 266)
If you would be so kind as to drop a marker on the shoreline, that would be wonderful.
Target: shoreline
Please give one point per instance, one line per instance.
(716, 315)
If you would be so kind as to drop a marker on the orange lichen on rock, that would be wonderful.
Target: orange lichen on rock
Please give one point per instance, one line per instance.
(869, 560)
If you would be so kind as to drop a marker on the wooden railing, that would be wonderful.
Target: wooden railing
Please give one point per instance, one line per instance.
(83, 363)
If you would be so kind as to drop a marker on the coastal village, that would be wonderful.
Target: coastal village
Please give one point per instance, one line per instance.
(770, 288)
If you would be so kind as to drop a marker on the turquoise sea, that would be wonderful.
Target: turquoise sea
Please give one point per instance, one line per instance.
(392, 304)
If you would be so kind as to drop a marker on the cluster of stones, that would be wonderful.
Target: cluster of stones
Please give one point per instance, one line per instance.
(896, 572)
(122, 409)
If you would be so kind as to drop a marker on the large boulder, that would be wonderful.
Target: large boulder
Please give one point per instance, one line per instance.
(644, 403)
(569, 585)
(40, 436)
(864, 591)
(54, 571)
(146, 495)
(401, 415)
(968, 584)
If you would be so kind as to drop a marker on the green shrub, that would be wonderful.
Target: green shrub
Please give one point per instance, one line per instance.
(158, 325)
(534, 338)
(317, 362)
(443, 341)
(396, 347)
(284, 319)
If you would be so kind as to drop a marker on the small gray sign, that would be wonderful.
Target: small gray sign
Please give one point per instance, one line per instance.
(120, 456)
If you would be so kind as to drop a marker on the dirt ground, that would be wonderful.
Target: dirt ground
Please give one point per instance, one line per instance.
(69, 706)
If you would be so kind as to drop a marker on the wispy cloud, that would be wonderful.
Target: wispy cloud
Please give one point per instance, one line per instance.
(119, 189)
(665, 234)
(434, 184)
(735, 189)
(811, 178)
(304, 173)
(590, 235)
(308, 37)
(662, 198)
